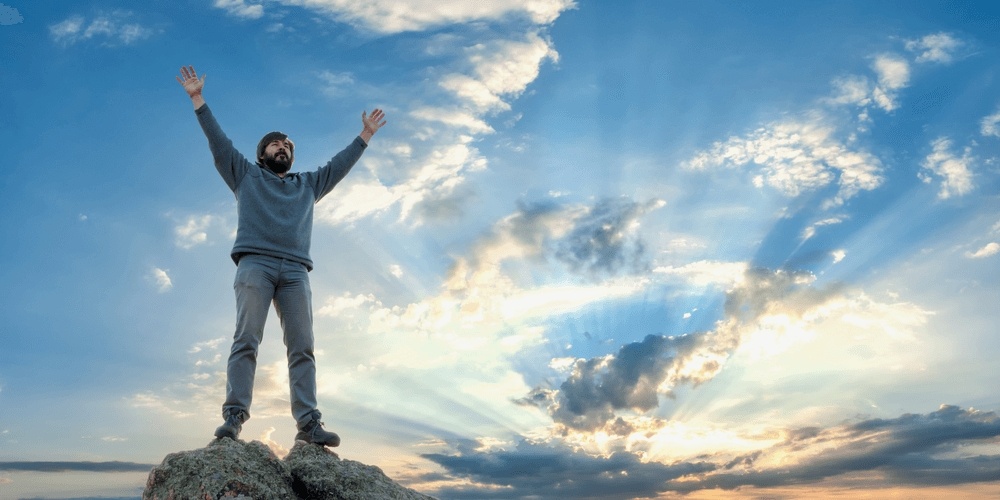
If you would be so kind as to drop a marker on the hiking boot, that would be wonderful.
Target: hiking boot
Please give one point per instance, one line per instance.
(313, 432)
(231, 428)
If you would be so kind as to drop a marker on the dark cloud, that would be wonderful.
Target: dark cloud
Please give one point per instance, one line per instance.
(604, 242)
(913, 450)
(553, 471)
(630, 379)
(905, 450)
(594, 242)
(635, 377)
(76, 466)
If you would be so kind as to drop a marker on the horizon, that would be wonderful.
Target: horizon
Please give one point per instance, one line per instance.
(642, 250)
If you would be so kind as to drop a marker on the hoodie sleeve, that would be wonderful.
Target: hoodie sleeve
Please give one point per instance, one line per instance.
(232, 165)
(324, 179)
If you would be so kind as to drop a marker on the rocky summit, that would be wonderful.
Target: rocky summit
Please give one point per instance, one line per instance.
(235, 469)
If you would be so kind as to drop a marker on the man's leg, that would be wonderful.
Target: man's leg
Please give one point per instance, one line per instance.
(254, 286)
(293, 302)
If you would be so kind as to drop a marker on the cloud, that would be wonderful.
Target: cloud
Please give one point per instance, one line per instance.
(488, 307)
(893, 74)
(810, 231)
(76, 466)
(796, 157)
(335, 84)
(912, 449)
(725, 275)
(161, 279)
(390, 16)
(9, 15)
(544, 470)
(853, 89)
(938, 48)
(990, 126)
(433, 166)
(603, 241)
(989, 250)
(240, 8)
(500, 69)
(765, 313)
(633, 378)
(193, 231)
(114, 29)
(200, 393)
(955, 172)
(208, 345)
(275, 446)
(934, 449)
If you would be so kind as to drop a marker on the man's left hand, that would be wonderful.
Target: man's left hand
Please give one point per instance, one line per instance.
(371, 123)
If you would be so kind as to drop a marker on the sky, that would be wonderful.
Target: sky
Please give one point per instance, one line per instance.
(638, 249)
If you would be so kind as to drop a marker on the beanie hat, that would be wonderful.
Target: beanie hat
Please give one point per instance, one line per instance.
(271, 137)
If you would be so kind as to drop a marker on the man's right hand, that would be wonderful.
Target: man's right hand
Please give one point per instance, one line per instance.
(192, 85)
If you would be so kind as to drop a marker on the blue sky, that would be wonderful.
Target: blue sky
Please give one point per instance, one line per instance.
(601, 249)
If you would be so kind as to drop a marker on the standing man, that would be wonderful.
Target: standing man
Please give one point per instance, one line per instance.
(275, 212)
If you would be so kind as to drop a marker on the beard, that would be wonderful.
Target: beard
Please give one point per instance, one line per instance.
(278, 165)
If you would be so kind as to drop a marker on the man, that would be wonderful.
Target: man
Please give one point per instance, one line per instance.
(275, 213)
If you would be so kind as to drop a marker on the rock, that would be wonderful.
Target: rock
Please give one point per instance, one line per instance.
(223, 469)
(320, 474)
(240, 470)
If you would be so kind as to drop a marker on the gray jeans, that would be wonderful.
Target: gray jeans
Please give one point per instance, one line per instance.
(261, 280)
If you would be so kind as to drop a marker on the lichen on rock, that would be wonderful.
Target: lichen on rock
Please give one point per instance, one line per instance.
(320, 473)
(234, 469)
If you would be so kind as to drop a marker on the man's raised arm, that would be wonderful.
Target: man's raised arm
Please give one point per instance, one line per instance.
(232, 166)
(192, 85)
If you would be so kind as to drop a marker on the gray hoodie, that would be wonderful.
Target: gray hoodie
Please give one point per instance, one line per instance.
(275, 214)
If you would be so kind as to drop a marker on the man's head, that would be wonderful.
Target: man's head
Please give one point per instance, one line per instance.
(276, 152)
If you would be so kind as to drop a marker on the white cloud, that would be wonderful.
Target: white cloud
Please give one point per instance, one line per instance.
(893, 71)
(443, 154)
(207, 345)
(500, 68)
(240, 8)
(989, 250)
(852, 89)
(725, 275)
(336, 306)
(114, 29)
(939, 47)
(275, 446)
(455, 117)
(810, 231)
(161, 279)
(436, 177)
(194, 230)
(796, 157)
(393, 16)
(838, 255)
(955, 172)
(893, 74)
(336, 83)
(483, 312)
(990, 126)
